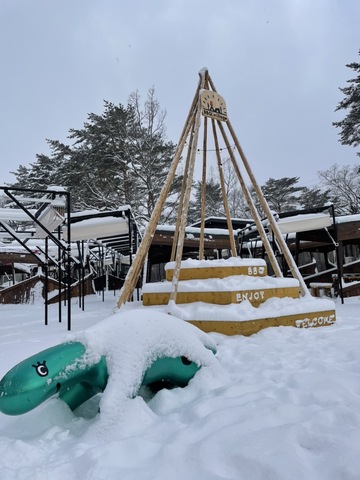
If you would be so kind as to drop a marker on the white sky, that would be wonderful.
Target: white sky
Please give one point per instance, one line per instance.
(277, 63)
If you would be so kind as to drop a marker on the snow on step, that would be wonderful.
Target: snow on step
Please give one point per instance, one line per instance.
(222, 291)
(200, 269)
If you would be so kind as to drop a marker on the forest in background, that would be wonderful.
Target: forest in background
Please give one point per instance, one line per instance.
(122, 157)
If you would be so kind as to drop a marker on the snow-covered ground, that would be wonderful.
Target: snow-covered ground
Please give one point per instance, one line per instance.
(283, 404)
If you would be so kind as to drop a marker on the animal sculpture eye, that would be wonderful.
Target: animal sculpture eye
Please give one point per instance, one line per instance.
(41, 369)
(186, 361)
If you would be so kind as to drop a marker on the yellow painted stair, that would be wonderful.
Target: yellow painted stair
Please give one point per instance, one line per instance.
(236, 296)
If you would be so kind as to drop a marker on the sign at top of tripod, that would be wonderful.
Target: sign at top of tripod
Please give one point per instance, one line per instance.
(213, 105)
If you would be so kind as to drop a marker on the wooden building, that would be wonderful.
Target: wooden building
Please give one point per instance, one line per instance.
(325, 251)
(216, 243)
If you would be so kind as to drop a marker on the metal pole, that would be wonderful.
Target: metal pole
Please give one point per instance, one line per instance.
(83, 274)
(60, 284)
(68, 260)
(46, 290)
(339, 259)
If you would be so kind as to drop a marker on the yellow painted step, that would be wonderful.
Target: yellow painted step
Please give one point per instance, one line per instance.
(255, 296)
(201, 269)
(249, 327)
(217, 272)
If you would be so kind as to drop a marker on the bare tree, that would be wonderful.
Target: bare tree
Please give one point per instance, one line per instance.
(149, 152)
(344, 185)
(236, 200)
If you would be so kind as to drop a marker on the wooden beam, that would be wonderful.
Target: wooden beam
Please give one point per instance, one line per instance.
(135, 269)
(223, 191)
(203, 192)
(181, 201)
(253, 210)
(189, 175)
(274, 226)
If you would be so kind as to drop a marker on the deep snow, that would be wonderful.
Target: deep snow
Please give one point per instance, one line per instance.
(282, 404)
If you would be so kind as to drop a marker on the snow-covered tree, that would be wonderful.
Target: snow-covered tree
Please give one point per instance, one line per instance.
(350, 125)
(119, 157)
(149, 154)
(236, 200)
(314, 197)
(40, 174)
(282, 194)
(99, 163)
(214, 206)
(343, 183)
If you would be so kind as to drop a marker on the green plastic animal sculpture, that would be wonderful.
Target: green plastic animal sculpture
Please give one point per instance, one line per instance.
(64, 370)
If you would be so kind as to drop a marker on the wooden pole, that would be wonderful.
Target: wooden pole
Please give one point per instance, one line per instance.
(203, 193)
(223, 191)
(135, 269)
(274, 226)
(181, 201)
(252, 207)
(190, 174)
(249, 200)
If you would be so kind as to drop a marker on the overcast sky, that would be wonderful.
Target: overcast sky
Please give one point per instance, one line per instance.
(278, 64)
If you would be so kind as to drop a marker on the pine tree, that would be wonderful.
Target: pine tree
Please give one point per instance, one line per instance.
(282, 194)
(40, 174)
(99, 166)
(350, 125)
(314, 197)
(214, 206)
(120, 157)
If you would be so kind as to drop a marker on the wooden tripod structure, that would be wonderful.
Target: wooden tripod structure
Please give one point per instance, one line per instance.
(207, 103)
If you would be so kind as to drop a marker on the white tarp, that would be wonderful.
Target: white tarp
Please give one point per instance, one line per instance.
(95, 228)
(16, 214)
(51, 219)
(304, 223)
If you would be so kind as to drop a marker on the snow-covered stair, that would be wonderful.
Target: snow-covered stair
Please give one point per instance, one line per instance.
(236, 296)
(222, 291)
